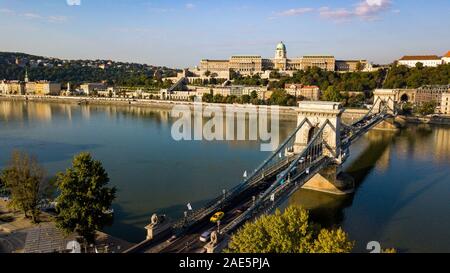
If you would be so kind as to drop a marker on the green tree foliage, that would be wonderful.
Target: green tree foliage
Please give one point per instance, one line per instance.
(290, 232)
(355, 81)
(401, 76)
(390, 251)
(254, 80)
(426, 108)
(274, 74)
(331, 94)
(355, 101)
(84, 197)
(282, 98)
(25, 180)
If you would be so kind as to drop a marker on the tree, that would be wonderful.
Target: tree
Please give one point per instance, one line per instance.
(331, 94)
(25, 180)
(84, 197)
(426, 108)
(290, 232)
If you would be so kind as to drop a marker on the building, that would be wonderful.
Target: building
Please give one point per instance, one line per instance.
(255, 64)
(214, 65)
(224, 91)
(246, 65)
(431, 93)
(42, 88)
(446, 58)
(426, 93)
(445, 104)
(12, 87)
(353, 66)
(91, 88)
(303, 91)
(325, 62)
(426, 60)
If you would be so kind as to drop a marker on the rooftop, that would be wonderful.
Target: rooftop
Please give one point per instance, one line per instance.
(420, 58)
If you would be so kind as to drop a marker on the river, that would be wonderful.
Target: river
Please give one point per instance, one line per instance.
(403, 178)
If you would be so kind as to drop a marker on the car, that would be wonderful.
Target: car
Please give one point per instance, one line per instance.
(217, 217)
(206, 236)
(172, 239)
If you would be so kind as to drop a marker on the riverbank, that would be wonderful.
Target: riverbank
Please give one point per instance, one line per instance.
(437, 120)
(19, 235)
(285, 112)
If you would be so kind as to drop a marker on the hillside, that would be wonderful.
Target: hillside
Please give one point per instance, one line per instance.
(13, 66)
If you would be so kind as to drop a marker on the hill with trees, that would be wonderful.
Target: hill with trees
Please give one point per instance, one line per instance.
(406, 77)
(14, 65)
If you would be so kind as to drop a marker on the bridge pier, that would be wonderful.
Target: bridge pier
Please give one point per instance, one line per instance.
(389, 124)
(331, 180)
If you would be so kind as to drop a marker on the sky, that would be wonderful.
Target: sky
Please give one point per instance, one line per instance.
(179, 33)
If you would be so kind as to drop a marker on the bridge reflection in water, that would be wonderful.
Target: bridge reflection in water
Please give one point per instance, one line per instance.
(328, 209)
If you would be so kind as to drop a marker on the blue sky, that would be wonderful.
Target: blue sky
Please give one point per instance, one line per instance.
(179, 33)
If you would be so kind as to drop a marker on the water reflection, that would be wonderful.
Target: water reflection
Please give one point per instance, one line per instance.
(394, 173)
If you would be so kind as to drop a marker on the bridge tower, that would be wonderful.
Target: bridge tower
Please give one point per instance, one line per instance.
(318, 113)
(383, 97)
(389, 98)
(330, 179)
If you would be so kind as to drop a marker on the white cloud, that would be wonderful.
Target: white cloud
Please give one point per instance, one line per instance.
(30, 15)
(371, 8)
(340, 14)
(190, 6)
(294, 12)
(7, 11)
(36, 16)
(73, 2)
(56, 18)
(364, 9)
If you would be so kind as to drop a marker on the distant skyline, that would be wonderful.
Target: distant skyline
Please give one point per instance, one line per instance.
(178, 34)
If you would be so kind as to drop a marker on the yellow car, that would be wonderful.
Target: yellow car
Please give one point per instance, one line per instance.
(217, 217)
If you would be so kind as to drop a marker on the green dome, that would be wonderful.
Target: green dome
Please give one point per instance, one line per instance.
(281, 46)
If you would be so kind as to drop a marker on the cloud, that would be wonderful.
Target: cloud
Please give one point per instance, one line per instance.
(56, 18)
(190, 6)
(371, 8)
(294, 12)
(35, 16)
(340, 14)
(364, 9)
(7, 11)
(30, 15)
(73, 2)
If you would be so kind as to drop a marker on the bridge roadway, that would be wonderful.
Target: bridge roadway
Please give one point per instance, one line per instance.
(189, 241)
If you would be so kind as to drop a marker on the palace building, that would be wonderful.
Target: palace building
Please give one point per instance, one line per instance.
(255, 64)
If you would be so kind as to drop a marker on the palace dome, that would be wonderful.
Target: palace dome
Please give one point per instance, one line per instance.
(281, 46)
